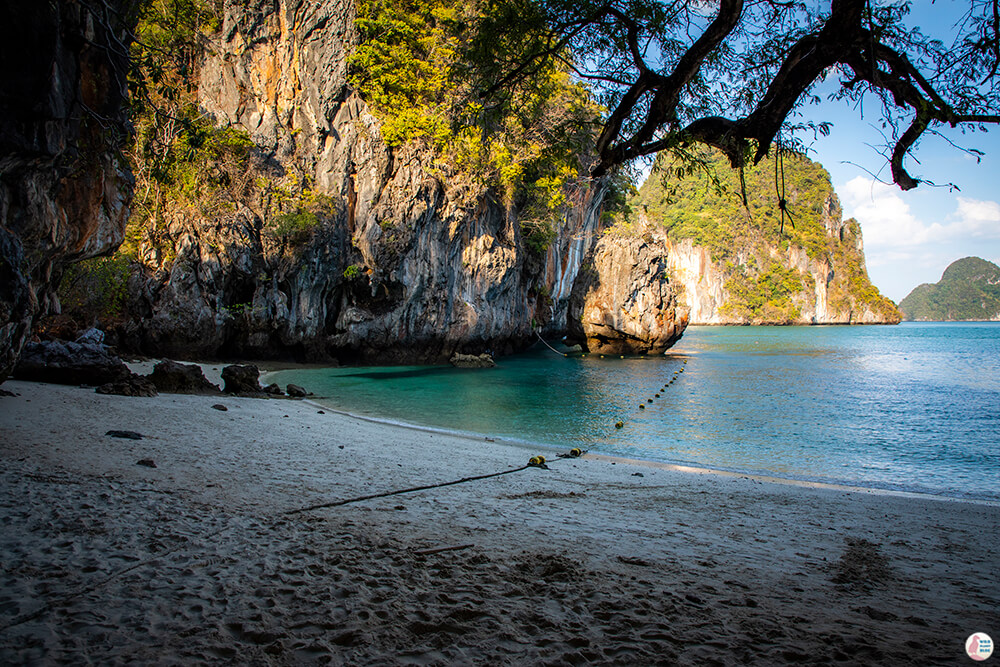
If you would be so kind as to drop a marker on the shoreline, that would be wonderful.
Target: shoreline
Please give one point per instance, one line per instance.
(198, 558)
(690, 468)
(693, 469)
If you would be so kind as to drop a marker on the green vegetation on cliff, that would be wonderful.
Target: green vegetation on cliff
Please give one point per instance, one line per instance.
(701, 198)
(410, 68)
(969, 289)
(702, 201)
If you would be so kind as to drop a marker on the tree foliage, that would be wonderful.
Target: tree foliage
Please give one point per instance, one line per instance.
(734, 74)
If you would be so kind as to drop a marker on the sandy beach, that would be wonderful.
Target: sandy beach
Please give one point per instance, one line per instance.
(204, 558)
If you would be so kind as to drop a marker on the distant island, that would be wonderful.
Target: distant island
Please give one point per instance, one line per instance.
(969, 289)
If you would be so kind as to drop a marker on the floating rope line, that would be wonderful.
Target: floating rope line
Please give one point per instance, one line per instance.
(620, 424)
(561, 354)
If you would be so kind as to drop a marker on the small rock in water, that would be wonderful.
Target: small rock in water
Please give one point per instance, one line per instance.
(637, 474)
(619, 424)
(484, 360)
(320, 412)
(128, 435)
(220, 407)
(295, 391)
(146, 462)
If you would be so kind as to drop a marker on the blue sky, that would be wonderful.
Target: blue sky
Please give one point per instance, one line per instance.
(911, 237)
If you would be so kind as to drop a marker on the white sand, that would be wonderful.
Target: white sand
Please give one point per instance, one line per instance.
(195, 560)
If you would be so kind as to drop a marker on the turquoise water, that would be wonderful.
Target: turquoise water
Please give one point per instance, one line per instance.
(914, 407)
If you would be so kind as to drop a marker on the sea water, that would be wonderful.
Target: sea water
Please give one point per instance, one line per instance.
(914, 407)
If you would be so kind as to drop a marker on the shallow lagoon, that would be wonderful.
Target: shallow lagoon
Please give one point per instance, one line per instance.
(914, 407)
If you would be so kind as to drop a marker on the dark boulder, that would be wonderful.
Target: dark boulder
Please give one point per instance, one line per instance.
(273, 389)
(295, 391)
(174, 378)
(241, 379)
(62, 362)
(137, 385)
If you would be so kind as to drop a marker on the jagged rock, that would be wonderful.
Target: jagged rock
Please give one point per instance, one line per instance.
(624, 303)
(295, 391)
(65, 188)
(91, 336)
(136, 385)
(174, 378)
(273, 389)
(472, 361)
(63, 362)
(241, 379)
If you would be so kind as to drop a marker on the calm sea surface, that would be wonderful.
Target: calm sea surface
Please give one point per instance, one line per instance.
(914, 407)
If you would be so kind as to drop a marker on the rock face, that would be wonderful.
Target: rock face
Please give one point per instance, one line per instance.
(406, 266)
(736, 263)
(624, 302)
(825, 298)
(64, 189)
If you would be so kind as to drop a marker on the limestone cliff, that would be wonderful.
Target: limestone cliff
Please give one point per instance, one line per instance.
(743, 265)
(624, 301)
(399, 263)
(64, 189)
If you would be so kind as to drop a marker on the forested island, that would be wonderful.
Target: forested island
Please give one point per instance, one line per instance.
(969, 290)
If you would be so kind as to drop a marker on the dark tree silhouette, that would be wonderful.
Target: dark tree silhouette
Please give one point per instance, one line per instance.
(735, 74)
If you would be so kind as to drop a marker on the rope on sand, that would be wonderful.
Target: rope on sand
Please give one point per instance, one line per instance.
(386, 494)
(534, 462)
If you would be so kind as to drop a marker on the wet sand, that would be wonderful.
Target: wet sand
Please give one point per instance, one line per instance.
(593, 561)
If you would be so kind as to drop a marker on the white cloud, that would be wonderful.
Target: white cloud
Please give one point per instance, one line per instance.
(887, 221)
(976, 214)
(904, 249)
